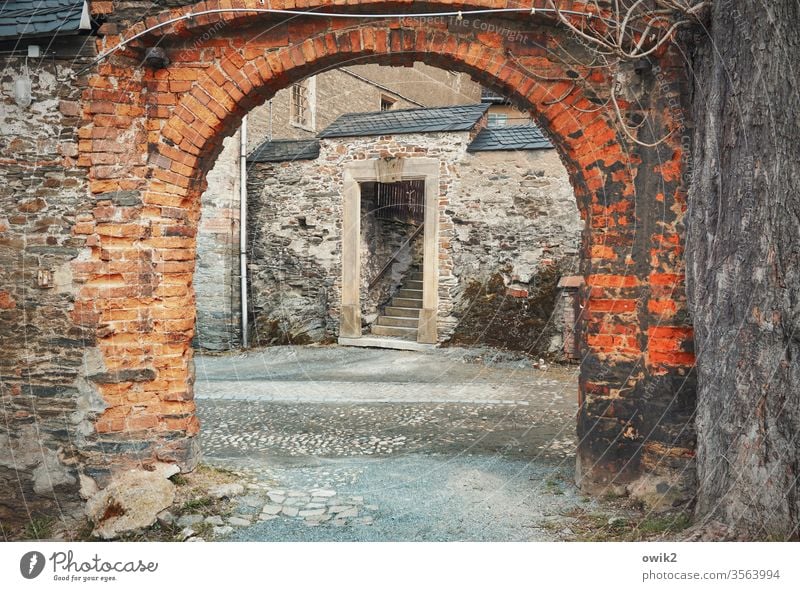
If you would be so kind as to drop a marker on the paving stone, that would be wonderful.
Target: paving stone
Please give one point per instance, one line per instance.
(239, 521)
(250, 501)
(277, 498)
(189, 520)
(165, 518)
(272, 509)
(226, 491)
(215, 520)
(352, 512)
(366, 520)
(266, 517)
(186, 533)
(323, 492)
(290, 511)
(311, 512)
(222, 531)
(338, 508)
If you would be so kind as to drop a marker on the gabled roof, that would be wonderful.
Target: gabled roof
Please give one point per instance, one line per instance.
(285, 151)
(426, 120)
(42, 18)
(516, 137)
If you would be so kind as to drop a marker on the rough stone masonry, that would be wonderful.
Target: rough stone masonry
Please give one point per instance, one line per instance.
(101, 185)
(508, 212)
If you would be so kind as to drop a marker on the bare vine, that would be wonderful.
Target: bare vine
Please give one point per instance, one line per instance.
(630, 30)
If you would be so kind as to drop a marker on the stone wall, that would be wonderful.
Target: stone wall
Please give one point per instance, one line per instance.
(216, 275)
(146, 139)
(515, 215)
(45, 217)
(516, 209)
(506, 213)
(295, 214)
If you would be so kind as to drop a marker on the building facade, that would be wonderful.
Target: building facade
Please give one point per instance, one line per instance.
(297, 112)
(505, 215)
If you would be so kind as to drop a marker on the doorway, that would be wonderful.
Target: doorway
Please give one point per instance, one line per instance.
(421, 174)
(392, 222)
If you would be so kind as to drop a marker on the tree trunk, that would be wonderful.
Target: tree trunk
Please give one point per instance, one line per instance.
(743, 265)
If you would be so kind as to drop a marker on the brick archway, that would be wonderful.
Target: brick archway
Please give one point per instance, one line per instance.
(150, 136)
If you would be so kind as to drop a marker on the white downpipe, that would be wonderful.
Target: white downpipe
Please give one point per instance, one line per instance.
(243, 227)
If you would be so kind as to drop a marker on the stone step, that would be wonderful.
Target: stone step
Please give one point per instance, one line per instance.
(385, 343)
(414, 276)
(401, 321)
(412, 284)
(409, 294)
(406, 303)
(394, 331)
(405, 312)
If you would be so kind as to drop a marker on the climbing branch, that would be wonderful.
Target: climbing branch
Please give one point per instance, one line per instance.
(631, 29)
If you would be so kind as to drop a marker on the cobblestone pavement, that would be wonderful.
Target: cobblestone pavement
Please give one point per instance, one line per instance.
(359, 444)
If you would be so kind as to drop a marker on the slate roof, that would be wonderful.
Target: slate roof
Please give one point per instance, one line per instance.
(457, 118)
(285, 151)
(41, 18)
(515, 137)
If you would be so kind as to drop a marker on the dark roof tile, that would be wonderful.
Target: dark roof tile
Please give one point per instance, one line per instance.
(285, 151)
(517, 137)
(40, 18)
(457, 118)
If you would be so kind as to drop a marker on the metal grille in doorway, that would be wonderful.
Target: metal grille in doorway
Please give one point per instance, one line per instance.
(403, 201)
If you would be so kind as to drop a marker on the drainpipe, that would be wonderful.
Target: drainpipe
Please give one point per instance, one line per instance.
(243, 227)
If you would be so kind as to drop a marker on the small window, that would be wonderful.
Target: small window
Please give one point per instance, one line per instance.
(387, 103)
(498, 119)
(302, 104)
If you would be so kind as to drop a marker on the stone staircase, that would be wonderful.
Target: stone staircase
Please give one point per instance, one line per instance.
(401, 317)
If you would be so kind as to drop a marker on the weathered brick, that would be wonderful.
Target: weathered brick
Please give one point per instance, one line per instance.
(128, 110)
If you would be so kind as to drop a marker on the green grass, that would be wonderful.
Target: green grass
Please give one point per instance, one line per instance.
(664, 524)
(553, 486)
(195, 505)
(595, 527)
(39, 528)
(179, 480)
(215, 471)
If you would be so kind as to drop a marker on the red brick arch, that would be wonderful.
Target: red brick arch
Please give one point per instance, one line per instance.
(152, 135)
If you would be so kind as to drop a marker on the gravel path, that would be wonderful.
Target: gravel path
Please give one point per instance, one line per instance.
(449, 444)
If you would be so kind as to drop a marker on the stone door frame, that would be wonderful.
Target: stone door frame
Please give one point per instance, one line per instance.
(377, 170)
